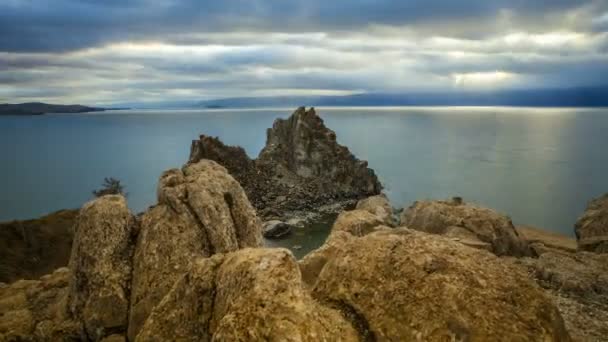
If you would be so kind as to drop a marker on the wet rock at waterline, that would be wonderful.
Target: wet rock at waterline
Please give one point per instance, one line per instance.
(276, 229)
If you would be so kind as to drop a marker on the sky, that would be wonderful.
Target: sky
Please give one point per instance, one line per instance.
(114, 51)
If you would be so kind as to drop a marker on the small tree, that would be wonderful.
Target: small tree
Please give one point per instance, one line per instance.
(110, 186)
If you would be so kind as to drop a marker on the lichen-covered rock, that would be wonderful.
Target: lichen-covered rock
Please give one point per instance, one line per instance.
(379, 206)
(301, 168)
(357, 222)
(487, 225)
(414, 286)
(312, 263)
(101, 266)
(249, 295)
(542, 241)
(201, 210)
(33, 310)
(578, 283)
(582, 274)
(592, 227)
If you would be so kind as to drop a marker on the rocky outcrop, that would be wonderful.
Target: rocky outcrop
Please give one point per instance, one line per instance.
(578, 284)
(379, 206)
(201, 211)
(592, 227)
(249, 295)
(301, 168)
(32, 248)
(98, 296)
(474, 225)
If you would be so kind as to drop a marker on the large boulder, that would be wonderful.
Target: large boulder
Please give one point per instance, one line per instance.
(101, 267)
(301, 169)
(201, 211)
(404, 285)
(592, 227)
(249, 295)
(379, 206)
(459, 219)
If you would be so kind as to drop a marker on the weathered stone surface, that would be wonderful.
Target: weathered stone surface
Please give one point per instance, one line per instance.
(542, 241)
(29, 309)
(578, 283)
(201, 211)
(101, 266)
(379, 206)
(592, 227)
(275, 229)
(303, 145)
(414, 286)
(486, 224)
(301, 168)
(356, 222)
(312, 264)
(249, 295)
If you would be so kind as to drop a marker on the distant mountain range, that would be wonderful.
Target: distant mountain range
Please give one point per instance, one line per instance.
(38, 108)
(573, 97)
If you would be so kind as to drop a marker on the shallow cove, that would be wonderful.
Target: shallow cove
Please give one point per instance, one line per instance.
(302, 241)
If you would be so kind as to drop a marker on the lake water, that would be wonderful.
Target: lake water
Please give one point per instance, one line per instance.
(540, 166)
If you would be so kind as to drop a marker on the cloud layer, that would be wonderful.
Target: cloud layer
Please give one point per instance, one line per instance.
(102, 52)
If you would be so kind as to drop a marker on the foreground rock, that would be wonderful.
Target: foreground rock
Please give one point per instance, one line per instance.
(29, 310)
(98, 297)
(470, 294)
(249, 295)
(542, 241)
(32, 248)
(592, 227)
(475, 226)
(578, 283)
(400, 284)
(379, 206)
(122, 267)
(202, 211)
(301, 168)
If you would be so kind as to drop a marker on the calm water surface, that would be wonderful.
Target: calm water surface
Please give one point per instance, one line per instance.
(540, 166)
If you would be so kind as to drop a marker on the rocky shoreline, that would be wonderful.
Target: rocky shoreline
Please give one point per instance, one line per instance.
(192, 267)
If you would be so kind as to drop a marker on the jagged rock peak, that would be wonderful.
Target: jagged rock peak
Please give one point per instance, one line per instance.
(301, 168)
(305, 146)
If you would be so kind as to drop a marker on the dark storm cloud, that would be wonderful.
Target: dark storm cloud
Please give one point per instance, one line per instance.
(152, 50)
(61, 25)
